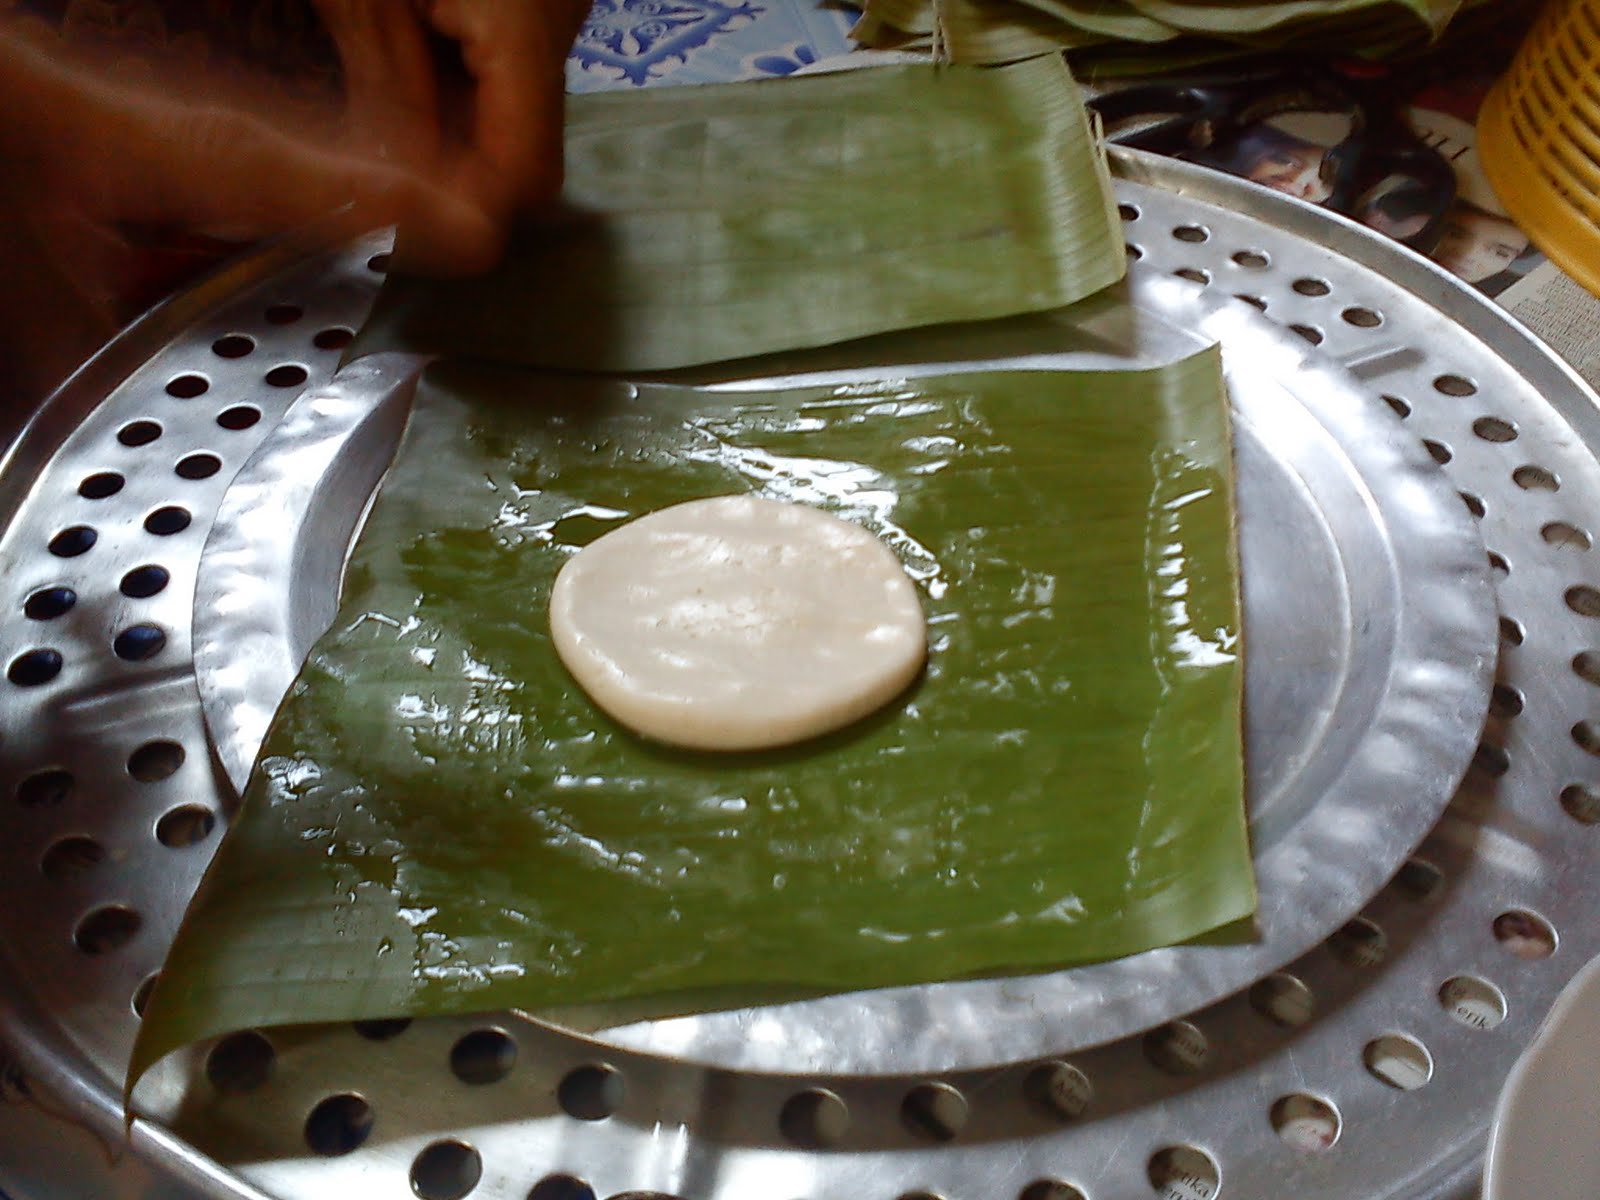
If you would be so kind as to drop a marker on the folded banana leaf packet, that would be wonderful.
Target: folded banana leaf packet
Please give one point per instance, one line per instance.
(441, 821)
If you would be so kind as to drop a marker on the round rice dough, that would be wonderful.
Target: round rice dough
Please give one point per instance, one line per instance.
(736, 623)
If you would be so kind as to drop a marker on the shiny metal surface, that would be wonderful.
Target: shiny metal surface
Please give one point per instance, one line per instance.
(1219, 1105)
(275, 556)
(1359, 724)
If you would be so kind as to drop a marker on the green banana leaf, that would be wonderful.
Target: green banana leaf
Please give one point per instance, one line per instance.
(997, 31)
(440, 821)
(873, 32)
(908, 16)
(1122, 37)
(1118, 61)
(1227, 18)
(709, 223)
(972, 31)
(1065, 19)
(1118, 20)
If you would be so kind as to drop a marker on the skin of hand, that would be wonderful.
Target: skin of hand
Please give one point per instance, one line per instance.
(506, 152)
(94, 151)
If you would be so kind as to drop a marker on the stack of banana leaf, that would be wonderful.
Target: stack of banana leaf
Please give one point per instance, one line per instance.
(1105, 38)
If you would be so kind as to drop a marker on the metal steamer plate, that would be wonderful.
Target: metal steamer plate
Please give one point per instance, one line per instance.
(1368, 1066)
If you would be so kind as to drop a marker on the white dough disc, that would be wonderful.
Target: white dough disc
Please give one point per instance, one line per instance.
(737, 623)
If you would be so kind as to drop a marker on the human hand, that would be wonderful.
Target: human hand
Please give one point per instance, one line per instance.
(93, 150)
(506, 154)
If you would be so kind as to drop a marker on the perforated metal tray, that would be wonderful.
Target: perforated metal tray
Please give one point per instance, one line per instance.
(1366, 1068)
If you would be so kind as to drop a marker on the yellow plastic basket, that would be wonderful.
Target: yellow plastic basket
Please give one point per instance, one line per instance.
(1539, 137)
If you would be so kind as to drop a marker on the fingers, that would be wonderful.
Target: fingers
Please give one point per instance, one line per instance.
(232, 175)
(392, 103)
(126, 153)
(516, 52)
(142, 153)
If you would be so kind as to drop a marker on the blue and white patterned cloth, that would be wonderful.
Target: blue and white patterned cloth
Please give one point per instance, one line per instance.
(637, 43)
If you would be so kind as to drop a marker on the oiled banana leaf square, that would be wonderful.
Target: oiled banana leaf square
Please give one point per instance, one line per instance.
(441, 821)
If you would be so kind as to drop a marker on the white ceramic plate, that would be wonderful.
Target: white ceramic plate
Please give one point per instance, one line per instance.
(1545, 1142)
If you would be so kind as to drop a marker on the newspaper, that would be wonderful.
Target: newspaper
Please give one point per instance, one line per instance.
(1556, 308)
(1392, 147)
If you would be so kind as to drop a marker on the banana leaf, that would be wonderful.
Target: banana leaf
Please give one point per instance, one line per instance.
(1122, 37)
(1117, 61)
(1118, 20)
(908, 16)
(972, 31)
(710, 223)
(1230, 19)
(874, 33)
(997, 31)
(1064, 21)
(440, 821)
